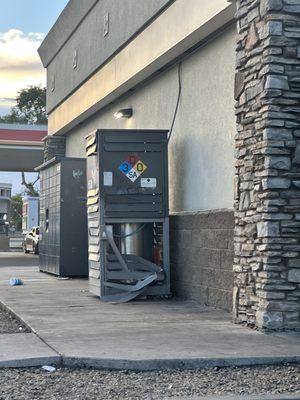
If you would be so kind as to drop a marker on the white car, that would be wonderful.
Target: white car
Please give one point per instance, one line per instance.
(31, 241)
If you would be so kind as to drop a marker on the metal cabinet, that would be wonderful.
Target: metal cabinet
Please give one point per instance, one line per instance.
(63, 217)
(128, 213)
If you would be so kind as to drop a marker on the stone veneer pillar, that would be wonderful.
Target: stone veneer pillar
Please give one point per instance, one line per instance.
(54, 146)
(267, 198)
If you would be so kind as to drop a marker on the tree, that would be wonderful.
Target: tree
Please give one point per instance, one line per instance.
(30, 107)
(13, 118)
(16, 211)
(30, 190)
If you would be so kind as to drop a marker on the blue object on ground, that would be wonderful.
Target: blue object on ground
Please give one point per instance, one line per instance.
(15, 282)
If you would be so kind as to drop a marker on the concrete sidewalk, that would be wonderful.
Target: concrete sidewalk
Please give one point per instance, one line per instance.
(25, 350)
(136, 335)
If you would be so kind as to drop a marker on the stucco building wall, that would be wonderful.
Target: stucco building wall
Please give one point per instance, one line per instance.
(201, 163)
(201, 149)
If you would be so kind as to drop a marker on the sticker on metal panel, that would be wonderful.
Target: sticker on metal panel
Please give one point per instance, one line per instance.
(140, 167)
(132, 175)
(77, 173)
(132, 168)
(148, 183)
(107, 178)
(125, 167)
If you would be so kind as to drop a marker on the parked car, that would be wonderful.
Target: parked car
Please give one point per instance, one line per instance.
(31, 241)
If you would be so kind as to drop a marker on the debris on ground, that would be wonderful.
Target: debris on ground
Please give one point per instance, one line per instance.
(15, 282)
(92, 384)
(48, 368)
(10, 324)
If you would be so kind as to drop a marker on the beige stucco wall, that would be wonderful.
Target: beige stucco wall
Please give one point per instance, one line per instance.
(201, 149)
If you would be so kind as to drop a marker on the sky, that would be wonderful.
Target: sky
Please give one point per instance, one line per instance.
(23, 25)
(15, 179)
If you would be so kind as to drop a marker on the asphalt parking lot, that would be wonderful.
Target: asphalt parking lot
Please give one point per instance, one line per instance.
(18, 259)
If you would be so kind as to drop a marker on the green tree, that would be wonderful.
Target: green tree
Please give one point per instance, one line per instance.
(13, 118)
(16, 211)
(30, 107)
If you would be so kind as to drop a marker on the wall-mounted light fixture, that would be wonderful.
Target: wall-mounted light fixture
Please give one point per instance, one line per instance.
(123, 113)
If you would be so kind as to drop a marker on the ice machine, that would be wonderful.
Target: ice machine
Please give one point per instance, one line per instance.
(128, 213)
(63, 217)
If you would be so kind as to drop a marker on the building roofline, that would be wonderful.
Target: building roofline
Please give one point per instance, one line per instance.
(134, 63)
(5, 185)
(24, 127)
(68, 21)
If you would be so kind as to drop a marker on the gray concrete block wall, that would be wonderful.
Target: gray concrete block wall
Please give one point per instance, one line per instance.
(202, 257)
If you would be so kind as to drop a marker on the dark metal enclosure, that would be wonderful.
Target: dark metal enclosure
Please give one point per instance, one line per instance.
(63, 219)
(128, 213)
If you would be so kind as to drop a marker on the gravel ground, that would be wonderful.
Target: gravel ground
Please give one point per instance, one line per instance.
(91, 384)
(10, 324)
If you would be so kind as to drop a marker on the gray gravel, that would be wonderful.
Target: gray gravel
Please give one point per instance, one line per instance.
(10, 324)
(91, 384)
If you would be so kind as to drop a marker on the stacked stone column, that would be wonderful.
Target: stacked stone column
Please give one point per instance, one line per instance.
(267, 196)
(54, 146)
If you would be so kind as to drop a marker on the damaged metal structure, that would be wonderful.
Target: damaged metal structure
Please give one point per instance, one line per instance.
(127, 180)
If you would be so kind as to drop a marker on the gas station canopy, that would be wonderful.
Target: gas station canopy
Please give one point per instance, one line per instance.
(21, 147)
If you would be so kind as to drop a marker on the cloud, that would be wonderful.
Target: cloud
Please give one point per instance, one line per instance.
(20, 65)
(6, 104)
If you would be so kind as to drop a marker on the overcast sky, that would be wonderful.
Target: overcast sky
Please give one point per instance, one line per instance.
(23, 25)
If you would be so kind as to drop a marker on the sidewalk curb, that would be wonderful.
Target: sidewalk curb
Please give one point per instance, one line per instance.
(31, 362)
(146, 365)
(173, 364)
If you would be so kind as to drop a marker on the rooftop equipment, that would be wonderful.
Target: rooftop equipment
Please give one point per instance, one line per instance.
(63, 221)
(128, 215)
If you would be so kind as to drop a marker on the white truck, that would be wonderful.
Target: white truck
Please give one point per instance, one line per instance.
(30, 214)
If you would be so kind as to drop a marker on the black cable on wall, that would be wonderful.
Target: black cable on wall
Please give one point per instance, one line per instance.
(178, 100)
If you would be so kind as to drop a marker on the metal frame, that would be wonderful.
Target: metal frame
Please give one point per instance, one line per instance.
(162, 289)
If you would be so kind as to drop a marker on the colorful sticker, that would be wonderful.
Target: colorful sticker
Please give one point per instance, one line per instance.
(132, 169)
(125, 167)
